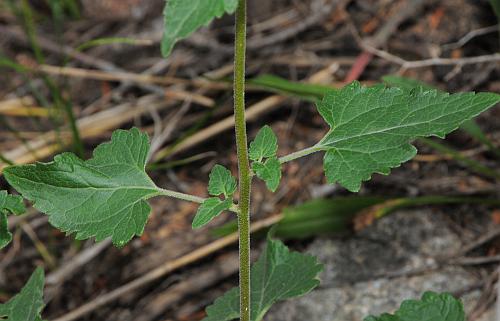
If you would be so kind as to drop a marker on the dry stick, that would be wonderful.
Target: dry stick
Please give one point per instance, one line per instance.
(405, 64)
(476, 260)
(165, 269)
(482, 240)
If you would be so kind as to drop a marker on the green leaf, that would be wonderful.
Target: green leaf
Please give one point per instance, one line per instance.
(8, 204)
(221, 182)
(183, 17)
(278, 275)
(28, 304)
(209, 209)
(102, 197)
(432, 307)
(269, 171)
(264, 145)
(371, 128)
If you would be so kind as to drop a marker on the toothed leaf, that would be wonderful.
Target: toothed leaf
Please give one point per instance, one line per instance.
(209, 209)
(269, 172)
(221, 182)
(101, 197)
(28, 304)
(278, 275)
(184, 17)
(264, 145)
(9, 204)
(432, 307)
(372, 128)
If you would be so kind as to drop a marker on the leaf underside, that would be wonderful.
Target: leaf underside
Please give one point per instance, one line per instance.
(209, 209)
(9, 204)
(372, 127)
(101, 197)
(221, 182)
(277, 275)
(28, 304)
(183, 17)
(432, 307)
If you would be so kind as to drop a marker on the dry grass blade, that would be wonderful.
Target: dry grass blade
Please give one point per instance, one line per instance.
(24, 106)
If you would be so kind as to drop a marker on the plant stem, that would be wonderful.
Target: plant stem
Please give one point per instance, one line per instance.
(181, 196)
(243, 162)
(300, 153)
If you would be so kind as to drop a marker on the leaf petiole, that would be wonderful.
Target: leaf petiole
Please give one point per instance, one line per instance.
(300, 153)
(190, 198)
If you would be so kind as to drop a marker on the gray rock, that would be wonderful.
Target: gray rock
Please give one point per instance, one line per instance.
(373, 271)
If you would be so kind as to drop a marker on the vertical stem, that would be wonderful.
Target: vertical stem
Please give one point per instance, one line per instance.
(243, 163)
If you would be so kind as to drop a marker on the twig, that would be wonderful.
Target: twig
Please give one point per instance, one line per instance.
(480, 241)
(469, 36)
(405, 64)
(476, 260)
(163, 270)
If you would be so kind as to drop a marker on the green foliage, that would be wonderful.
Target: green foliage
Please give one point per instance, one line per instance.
(102, 197)
(278, 275)
(28, 304)
(221, 182)
(432, 307)
(8, 204)
(372, 127)
(263, 151)
(210, 209)
(264, 145)
(184, 17)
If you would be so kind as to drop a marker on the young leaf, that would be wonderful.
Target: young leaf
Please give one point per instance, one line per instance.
(102, 197)
(432, 306)
(28, 304)
(184, 17)
(8, 204)
(278, 275)
(371, 128)
(221, 182)
(209, 209)
(264, 145)
(269, 171)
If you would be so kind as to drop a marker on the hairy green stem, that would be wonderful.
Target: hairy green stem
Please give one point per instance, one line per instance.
(190, 198)
(300, 153)
(243, 162)
(181, 196)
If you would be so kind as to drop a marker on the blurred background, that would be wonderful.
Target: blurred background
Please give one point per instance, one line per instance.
(72, 71)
